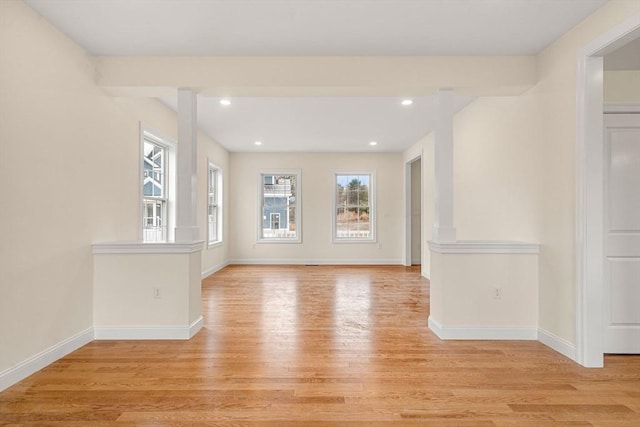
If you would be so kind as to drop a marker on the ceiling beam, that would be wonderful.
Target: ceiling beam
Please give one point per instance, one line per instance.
(317, 76)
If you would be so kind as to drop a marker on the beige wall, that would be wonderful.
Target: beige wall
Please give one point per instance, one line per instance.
(556, 93)
(214, 257)
(622, 87)
(69, 171)
(514, 171)
(317, 179)
(497, 168)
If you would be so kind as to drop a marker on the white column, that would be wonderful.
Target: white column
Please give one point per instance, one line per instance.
(186, 200)
(443, 229)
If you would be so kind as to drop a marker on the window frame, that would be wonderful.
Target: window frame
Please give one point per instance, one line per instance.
(260, 206)
(211, 167)
(372, 207)
(169, 183)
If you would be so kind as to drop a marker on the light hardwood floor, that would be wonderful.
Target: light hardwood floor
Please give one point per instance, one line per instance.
(322, 346)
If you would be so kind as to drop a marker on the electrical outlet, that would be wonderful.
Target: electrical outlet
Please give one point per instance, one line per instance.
(497, 293)
(156, 292)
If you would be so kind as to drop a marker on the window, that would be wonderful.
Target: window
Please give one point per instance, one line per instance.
(214, 204)
(354, 207)
(279, 216)
(156, 185)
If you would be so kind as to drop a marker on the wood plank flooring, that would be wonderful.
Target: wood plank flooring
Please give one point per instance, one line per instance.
(322, 346)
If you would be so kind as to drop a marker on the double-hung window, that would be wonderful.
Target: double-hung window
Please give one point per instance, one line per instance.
(214, 205)
(157, 220)
(279, 206)
(354, 207)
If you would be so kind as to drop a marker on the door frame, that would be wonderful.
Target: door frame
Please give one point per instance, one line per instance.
(589, 254)
(408, 209)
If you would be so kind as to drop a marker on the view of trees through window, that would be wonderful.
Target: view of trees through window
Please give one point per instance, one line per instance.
(353, 208)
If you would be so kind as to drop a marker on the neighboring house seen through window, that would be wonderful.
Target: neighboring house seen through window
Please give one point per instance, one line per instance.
(354, 207)
(156, 182)
(279, 216)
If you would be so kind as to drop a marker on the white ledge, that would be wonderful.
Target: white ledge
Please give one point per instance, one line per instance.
(147, 248)
(484, 247)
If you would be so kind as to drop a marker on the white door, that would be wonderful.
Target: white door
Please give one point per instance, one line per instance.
(622, 233)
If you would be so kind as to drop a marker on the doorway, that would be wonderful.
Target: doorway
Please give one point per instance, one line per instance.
(590, 202)
(416, 212)
(621, 288)
(413, 239)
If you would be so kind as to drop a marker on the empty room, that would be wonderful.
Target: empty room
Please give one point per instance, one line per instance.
(320, 213)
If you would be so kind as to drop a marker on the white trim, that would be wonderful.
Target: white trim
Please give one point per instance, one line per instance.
(556, 343)
(484, 247)
(209, 271)
(372, 206)
(339, 261)
(146, 248)
(171, 147)
(482, 332)
(177, 332)
(219, 204)
(426, 274)
(589, 191)
(621, 108)
(260, 195)
(408, 208)
(33, 364)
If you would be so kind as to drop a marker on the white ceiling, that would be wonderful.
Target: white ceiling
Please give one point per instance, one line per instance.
(314, 27)
(309, 28)
(318, 124)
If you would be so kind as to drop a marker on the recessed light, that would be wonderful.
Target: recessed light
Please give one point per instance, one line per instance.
(406, 102)
(372, 143)
(225, 102)
(258, 143)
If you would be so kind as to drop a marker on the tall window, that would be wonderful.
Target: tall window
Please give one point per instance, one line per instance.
(279, 216)
(354, 207)
(157, 163)
(214, 202)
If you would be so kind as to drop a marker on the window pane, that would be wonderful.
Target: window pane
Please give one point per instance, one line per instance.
(153, 166)
(213, 203)
(154, 227)
(353, 207)
(279, 207)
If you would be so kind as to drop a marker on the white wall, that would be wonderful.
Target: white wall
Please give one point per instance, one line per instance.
(69, 170)
(317, 185)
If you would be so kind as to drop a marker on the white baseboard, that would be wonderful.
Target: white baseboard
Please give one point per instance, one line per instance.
(341, 261)
(33, 364)
(149, 332)
(558, 344)
(482, 332)
(426, 275)
(209, 271)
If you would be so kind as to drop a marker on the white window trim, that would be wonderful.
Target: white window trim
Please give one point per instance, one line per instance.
(372, 207)
(220, 197)
(260, 199)
(170, 179)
